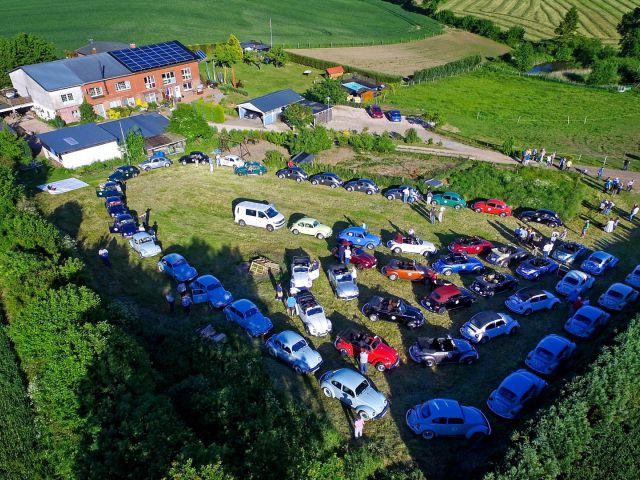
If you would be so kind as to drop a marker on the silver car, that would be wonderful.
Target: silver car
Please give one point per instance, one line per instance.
(342, 282)
(292, 348)
(155, 162)
(144, 244)
(356, 391)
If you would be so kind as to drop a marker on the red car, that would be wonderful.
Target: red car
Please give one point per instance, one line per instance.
(470, 245)
(375, 111)
(359, 258)
(493, 206)
(350, 342)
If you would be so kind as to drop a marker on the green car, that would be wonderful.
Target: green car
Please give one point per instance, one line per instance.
(251, 168)
(449, 199)
(311, 226)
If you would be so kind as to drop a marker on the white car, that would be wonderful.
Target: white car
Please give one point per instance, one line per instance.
(402, 244)
(574, 281)
(312, 314)
(303, 272)
(144, 244)
(231, 161)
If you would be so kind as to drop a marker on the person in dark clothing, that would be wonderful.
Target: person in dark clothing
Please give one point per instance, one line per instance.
(103, 253)
(186, 304)
(625, 164)
(171, 301)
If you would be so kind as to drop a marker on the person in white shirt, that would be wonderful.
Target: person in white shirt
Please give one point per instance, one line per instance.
(364, 361)
(546, 250)
(354, 273)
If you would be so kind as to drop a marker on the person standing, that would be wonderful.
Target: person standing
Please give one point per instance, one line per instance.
(600, 172)
(634, 211)
(218, 160)
(291, 305)
(546, 250)
(279, 292)
(630, 185)
(364, 361)
(210, 165)
(354, 273)
(441, 214)
(432, 215)
(607, 185)
(290, 163)
(609, 226)
(171, 301)
(405, 195)
(181, 288)
(358, 426)
(429, 197)
(554, 236)
(625, 164)
(585, 228)
(103, 253)
(616, 221)
(364, 227)
(186, 304)
(347, 255)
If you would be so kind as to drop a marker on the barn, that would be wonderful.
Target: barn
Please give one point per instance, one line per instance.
(268, 107)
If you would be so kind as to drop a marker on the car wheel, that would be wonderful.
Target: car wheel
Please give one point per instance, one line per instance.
(314, 182)
(146, 169)
(458, 207)
(393, 277)
(270, 228)
(477, 269)
(343, 352)
(370, 246)
(272, 352)
(298, 370)
(525, 219)
(429, 362)
(513, 331)
(426, 254)
(327, 391)
(141, 256)
(484, 340)
(469, 360)
(260, 173)
(442, 310)
(478, 210)
(281, 176)
(242, 223)
(298, 180)
(369, 192)
(166, 165)
(184, 163)
(390, 197)
(528, 311)
(320, 236)
(364, 415)
(373, 317)
(397, 250)
(502, 215)
(428, 435)
(333, 185)
(380, 367)
(447, 272)
(434, 203)
(295, 231)
(349, 189)
(554, 306)
(553, 225)
(490, 294)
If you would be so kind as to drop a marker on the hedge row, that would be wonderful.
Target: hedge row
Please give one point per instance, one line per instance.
(593, 431)
(456, 67)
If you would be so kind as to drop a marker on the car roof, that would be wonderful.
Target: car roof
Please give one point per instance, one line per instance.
(173, 257)
(620, 287)
(531, 291)
(243, 304)
(307, 219)
(496, 200)
(445, 407)
(577, 273)
(452, 193)
(289, 337)
(140, 235)
(485, 317)
(348, 377)
(601, 254)
(254, 205)
(554, 343)
(123, 216)
(447, 291)
(518, 382)
(589, 311)
(207, 279)
(355, 229)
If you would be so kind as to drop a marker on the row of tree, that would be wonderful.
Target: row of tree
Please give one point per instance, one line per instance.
(23, 49)
(231, 52)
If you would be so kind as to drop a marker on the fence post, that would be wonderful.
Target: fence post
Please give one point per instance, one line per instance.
(567, 119)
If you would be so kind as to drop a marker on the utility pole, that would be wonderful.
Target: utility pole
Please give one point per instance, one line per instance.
(270, 33)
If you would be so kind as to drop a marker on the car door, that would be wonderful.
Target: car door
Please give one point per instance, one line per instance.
(455, 426)
(285, 352)
(251, 217)
(447, 200)
(541, 301)
(348, 396)
(439, 426)
(198, 293)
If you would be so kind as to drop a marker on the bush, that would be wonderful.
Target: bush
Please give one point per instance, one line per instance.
(218, 114)
(604, 72)
(449, 69)
(411, 136)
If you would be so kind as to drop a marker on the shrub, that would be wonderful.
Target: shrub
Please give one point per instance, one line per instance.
(411, 136)
(604, 72)
(449, 69)
(218, 114)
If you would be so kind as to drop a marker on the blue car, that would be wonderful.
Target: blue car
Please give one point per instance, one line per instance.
(208, 289)
(568, 252)
(551, 352)
(176, 267)
(598, 262)
(360, 237)
(115, 210)
(394, 116)
(536, 267)
(442, 417)
(585, 322)
(293, 349)
(125, 225)
(458, 263)
(531, 299)
(248, 316)
(515, 391)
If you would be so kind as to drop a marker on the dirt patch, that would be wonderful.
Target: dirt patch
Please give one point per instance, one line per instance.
(406, 58)
(336, 156)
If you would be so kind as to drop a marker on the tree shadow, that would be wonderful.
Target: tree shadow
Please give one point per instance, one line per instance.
(68, 217)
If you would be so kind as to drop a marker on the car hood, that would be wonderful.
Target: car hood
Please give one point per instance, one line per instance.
(385, 350)
(347, 289)
(473, 416)
(301, 279)
(415, 314)
(148, 248)
(184, 273)
(611, 302)
(591, 266)
(373, 399)
(257, 324)
(309, 357)
(220, 296)
(319, 321)
(579, 329)
(562, 255)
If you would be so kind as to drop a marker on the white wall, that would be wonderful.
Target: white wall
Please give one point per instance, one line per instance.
(45, 103)
(99, 153)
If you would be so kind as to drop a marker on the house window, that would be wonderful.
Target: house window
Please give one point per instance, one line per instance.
(115, 104)
(95, 92)
(186, 73)
(120, 86)
(66, 97)
(150, 98)
(131, 101)
(150, 82)
(187, 86)
(168, 78)
(75, 113)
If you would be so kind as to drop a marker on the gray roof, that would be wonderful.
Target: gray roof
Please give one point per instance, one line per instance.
(315, 107)
(101, 47)
(71, 72)
(148, 124)
(73, 139)
(273, 101)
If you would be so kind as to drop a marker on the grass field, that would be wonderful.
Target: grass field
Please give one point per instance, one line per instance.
(193, 209)
(406, 58)
(71, 23)
(598, 18)
(492, 107)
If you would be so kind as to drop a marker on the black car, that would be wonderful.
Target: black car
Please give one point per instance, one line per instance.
(362, 185)
(109, 189)
(436, 351)
(123, 173)
(505, 255)
(448, 297)
(395, 193)
(489, 284)
(393, 309)
(124, 224)
(546, 217)
(191, 157)
(326, 178)
(293, 173)
(116, 210)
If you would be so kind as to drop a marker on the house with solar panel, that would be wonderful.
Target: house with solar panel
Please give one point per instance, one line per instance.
(124, 77)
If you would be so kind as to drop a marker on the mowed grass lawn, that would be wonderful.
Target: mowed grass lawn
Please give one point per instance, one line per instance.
(71, 23)
(598, 18)
(490, 106)
(193, 210)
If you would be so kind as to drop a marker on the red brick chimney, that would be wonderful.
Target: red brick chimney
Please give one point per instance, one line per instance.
(132, 45)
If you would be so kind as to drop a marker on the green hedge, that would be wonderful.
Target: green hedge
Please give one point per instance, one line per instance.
(456, 67)
(593, 431)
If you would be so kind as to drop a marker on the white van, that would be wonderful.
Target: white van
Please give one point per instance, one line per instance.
(263, 215)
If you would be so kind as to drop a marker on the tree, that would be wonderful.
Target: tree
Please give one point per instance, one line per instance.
(310, 140)
(629, 30)
(298, 116)
(223, 54)
(87, 113)
(568, 25)
(436, 118)
(524, 56)
(251, 57)
(188, 122)
(23, 49)
(13, 149)
(235, 50)
(604, 72)
(328, 88)
(134, 146)
(277, 56)
(514, 36)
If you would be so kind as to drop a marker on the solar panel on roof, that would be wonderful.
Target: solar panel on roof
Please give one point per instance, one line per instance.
(201, 55)
(153, 56)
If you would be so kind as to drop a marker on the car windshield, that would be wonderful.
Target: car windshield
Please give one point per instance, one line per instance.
(300, 269)
(314, 311)
(375, 344)
(214, 286)
(251, 312)
(315, 224)
(507, 394)
(523, 296)
(179, 262)
(425, 411)
(477, 322)
(615, 294)
(544, 353)
(345, 279)
(571, 280)
(126, 220)
(362, 387)
(299, 345)
(271, 212)
(435, 296)
(597, 261)
(145, 240)
(582, 319)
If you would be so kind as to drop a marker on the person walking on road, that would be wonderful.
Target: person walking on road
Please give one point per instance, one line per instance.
(103, 253)
(364, 361)
(358, 426)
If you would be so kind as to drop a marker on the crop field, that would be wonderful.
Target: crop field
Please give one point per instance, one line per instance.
(193, 211)
(598, 18)
(572, 120)
(406, 58)
(71, 23)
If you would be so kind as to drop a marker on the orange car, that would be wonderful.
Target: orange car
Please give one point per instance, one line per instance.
(408, 270)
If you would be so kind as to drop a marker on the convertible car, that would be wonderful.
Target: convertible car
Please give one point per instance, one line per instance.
(536, 267)
(411, 244)
(408, 270)
(490, 283)
(470, 245)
